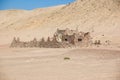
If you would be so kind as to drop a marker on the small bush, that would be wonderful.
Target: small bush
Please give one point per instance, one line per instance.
(66, 58)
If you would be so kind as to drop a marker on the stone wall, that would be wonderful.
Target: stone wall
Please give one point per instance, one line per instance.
(61, 39)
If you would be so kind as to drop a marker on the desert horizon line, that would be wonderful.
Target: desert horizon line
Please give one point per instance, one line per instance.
(31, 5)
(34, 8)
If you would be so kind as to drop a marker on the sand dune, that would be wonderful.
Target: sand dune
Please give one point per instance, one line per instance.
(98, 17)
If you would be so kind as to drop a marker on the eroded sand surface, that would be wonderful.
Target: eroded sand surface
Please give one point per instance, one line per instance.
(99, 17)
(49, 64)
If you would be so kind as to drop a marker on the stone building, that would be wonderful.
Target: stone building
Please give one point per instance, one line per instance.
(73, 37)
(61, 39)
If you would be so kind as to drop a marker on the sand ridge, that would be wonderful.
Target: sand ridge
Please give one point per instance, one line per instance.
(98, 17)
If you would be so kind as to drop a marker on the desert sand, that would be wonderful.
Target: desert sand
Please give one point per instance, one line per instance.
(49, 64)
(99, 17)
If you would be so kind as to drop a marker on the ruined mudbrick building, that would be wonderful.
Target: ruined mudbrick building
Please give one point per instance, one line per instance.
(61, 39)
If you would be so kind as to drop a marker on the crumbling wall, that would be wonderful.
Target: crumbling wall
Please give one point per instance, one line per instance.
(61, 39)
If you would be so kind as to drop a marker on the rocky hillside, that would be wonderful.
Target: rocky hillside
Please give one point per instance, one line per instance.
(100, 17)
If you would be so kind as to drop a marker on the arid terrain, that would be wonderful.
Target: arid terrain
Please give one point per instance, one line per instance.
(99, 17)
(49, 64)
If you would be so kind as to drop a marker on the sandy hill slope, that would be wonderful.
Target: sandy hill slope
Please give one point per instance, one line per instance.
(100, 17)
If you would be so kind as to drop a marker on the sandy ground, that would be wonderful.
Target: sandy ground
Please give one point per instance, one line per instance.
(99, 17)
(49, 64)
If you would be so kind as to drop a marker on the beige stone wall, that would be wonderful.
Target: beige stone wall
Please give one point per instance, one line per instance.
(69, 38)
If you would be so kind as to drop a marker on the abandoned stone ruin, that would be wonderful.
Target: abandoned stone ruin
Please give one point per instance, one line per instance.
(61, 39)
